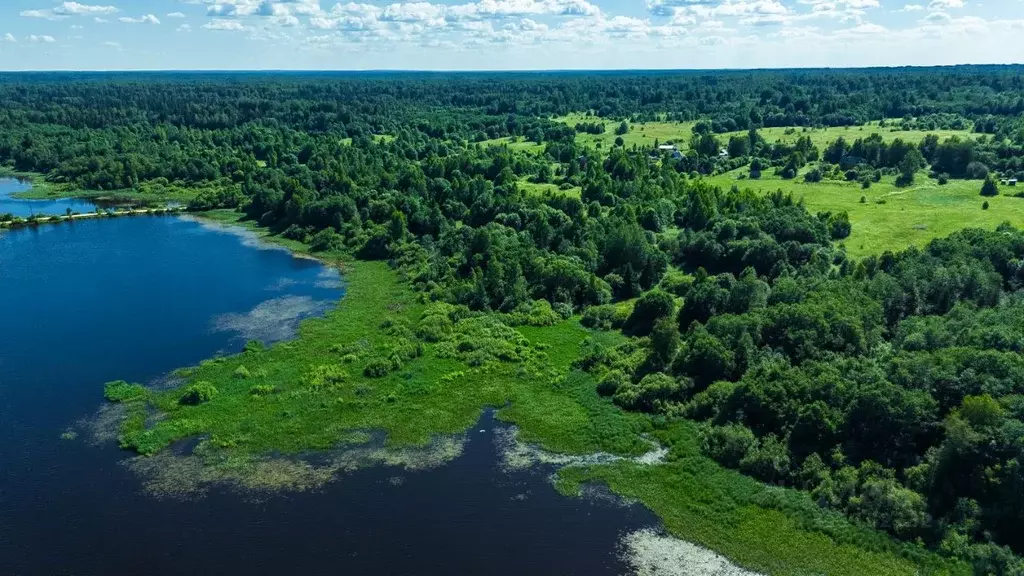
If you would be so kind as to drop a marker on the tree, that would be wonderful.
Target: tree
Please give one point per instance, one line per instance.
(665, 341)
(989, 188)
(622, 129)
(738, 146)
(619, 141)
(649, 309)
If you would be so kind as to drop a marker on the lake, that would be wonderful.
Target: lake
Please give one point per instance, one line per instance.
(26, 208)
(87, 302)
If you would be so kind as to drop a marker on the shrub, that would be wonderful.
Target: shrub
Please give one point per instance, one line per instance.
(241, 372)
(976, 171)
(605, 317)
(379, 367)
(324, 376)
(198, 393)
(262, 390)
(813, 175)
(728, 445)
(943, 179)
(651, 307)
(535, 313)
(253, 346)
(769, 461)
(327, 240)
(650, 394)
(563, 309)
(989, 188)
(611, 382)
(984, 205)
(121, 391)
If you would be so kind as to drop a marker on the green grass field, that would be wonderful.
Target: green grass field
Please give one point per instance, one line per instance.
(909, 216)
(542, 189)
(645, 134)
(515, 144)
(642, 134)
(822, 137)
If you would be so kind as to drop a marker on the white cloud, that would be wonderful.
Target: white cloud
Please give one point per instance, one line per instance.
(40, 39)
(99, 20)
(184, 28)
(224, 25)
(67, 9)
(938, 17)
(147, 19)
(8, 37)
(912, 8)
(945, 4)
(175, 15)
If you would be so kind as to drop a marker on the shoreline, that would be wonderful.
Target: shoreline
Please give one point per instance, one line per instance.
(19, 223)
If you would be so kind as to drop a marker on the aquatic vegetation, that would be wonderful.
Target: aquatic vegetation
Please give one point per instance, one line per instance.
(650, 553)
(121, 391)
(198, 393)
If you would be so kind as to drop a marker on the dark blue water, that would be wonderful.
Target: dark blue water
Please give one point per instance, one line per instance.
(91, 301)
(26, 208)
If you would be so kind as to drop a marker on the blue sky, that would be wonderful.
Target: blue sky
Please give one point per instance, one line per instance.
(504, 34)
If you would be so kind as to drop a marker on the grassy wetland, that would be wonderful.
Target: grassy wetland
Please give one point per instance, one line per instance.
(384, 361)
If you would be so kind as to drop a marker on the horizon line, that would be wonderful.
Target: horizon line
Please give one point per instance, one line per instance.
(488, 71)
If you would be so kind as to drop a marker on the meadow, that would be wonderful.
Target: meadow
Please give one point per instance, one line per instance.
(641, 134)
(822, 137)
(890, 217)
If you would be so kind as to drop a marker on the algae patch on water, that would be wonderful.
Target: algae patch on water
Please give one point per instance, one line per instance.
(650, 553)
(178, 475)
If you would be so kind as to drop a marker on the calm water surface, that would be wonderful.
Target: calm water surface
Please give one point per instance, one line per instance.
(86, 302)
(26, 208)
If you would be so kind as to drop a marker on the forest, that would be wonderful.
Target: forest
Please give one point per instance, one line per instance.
(889, 387)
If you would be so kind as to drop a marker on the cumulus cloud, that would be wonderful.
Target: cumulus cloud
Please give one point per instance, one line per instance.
(938, 17)
(67, 9)
(184, 28)
(147, 19)
(175, 15)
(40, 39)
(912, 8)
(8, 37)
(224, 25)
(945, 4)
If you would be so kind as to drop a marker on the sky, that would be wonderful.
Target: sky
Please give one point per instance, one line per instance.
(504, 34)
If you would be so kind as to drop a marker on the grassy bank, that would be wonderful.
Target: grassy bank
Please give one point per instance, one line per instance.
(386, 360)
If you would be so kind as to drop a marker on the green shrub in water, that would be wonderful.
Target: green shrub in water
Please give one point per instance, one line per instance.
(198, 393)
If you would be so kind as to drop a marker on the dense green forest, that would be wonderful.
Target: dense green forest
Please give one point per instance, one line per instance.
(890, 388)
